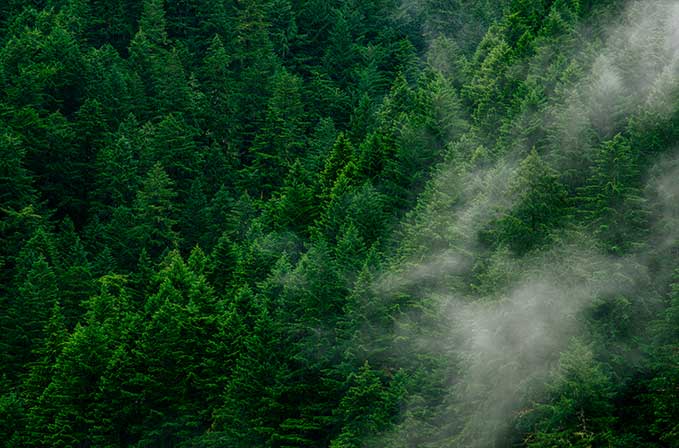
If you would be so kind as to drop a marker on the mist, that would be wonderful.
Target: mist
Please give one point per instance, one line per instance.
(504, 344)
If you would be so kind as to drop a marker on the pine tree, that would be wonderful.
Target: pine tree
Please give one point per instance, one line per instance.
(340, 54)
(18, 198)
(37, 294)
(217, 79)
(321, 141)
(76, 282)
(68, 402)
(117, 177)
(581, 413)
(171, 87)
(362, 120)
(152, 22)
(372, 156)
(341, 154)
(491, 85)
(294, 207)
(350, 251)
(172, 143)
(110, 81)
(222, 264)
(43, 44)
(661, 398)
(612, 197)
(367, 407)
(248, 415)
(122, 241)
(16, 189)
(181, 322)
(396, 104)
(41, 373)
(115, 403)
(154, 213)
(255, 62)
(12, 419)
(283, 32)
(542, 206)
(194, 217)
(157, 68)
(282, 139)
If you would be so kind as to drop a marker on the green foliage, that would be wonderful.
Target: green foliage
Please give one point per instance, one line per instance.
(283, 223)
(542, 207)
(612, 197)
(29, 313)
(341, 154)
(580, 414)
(153, 211)
(152, 22)
(281, 140)
(15, 179)
(365, 408)
(11, 416)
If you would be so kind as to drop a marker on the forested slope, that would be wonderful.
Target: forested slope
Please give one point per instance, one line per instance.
(324, 223)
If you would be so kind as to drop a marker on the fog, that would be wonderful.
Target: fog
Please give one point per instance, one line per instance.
(504, 341)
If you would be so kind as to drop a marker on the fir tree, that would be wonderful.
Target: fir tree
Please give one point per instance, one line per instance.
(612, 197)
(154, 213)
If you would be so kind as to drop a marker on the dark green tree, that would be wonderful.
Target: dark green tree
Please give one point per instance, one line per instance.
(341, 154)
(580, 414)
(154, 214)
(542, 207)
(37, 294)
(282, 138)
(613, 199)
(41, 374)
(367, 407)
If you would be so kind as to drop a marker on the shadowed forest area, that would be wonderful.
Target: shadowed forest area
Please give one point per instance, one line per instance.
(343, 224)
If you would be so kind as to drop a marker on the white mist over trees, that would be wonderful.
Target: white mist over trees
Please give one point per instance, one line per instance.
(508, 344)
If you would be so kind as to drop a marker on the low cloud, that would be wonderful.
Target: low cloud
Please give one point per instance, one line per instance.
(503, 343)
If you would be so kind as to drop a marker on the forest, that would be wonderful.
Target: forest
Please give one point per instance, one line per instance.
(339, 223)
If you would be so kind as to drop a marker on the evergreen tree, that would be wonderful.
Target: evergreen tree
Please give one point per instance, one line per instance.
(581, 414)
(340, 54)
(41, 374)
(116, 403)
(542, 206)
(37, 294)
(152, 22)
(76, 282)
(218, 80)
(248, 415)
(366, 408)
(69, 400)
(222, 264)
(342, 153)
(612, 197)
(282, 138)
(256, 63)
(16, 190)
(491, 85)
(117, 164)
(372, 155)
(111, 83)
(18, 217)
(295, 207)
(154, 213)
(172, 143)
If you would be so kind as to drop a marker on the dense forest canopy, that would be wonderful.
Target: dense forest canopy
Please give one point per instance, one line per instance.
(344, 224)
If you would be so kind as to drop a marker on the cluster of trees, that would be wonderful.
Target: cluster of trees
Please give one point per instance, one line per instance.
(199, 197)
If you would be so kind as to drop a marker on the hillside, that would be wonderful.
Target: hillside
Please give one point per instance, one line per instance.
(343, 224)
